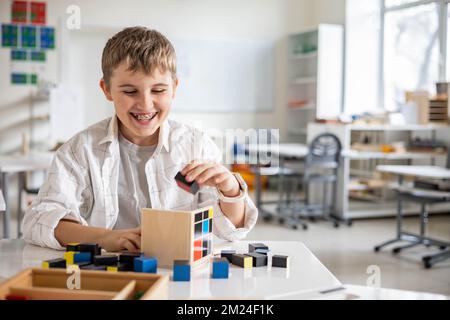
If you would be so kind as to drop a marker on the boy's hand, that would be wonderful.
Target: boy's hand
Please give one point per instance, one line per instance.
(214, 175)
(119, 240)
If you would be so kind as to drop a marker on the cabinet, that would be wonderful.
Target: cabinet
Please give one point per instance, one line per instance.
(315, 77)
(362, 191)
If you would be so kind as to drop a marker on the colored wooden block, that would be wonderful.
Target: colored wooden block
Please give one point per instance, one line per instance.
(177, 235)
(82, 257)
(93, 248)
(100, 260)
(280, 261)
(227, 254)
(69, 257)
(112, 269)
(128, 257)
(262, 251)
(73, 246)
(181, 270)
(145, 264)
(242, 260)
(259, 259)
(220, 268)
(191, 187)
(54, 263)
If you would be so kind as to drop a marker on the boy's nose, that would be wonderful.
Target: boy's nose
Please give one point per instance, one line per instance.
(147, 100)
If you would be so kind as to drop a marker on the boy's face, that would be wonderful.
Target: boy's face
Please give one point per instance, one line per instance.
(142, 102)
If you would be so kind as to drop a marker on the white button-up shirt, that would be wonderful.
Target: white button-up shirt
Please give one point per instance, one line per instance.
(83, 179)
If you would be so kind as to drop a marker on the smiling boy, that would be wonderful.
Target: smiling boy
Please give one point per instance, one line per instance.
(103, 176)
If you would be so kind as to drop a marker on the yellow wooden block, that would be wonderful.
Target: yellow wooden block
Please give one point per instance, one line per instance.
(45, 264)
(248, 262)
(112, 269)
(73, 244)
(210, 213)
(69, 257)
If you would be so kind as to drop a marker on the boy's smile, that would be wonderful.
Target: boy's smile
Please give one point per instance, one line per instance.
(142, 102)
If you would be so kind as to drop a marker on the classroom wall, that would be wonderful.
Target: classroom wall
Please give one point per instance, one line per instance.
(79, 69)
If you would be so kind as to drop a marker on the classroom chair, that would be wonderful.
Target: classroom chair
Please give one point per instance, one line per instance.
(320, 168)
(424, 197)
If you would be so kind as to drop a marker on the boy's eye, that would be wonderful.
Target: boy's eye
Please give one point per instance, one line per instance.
(158, 90)
(130, 92)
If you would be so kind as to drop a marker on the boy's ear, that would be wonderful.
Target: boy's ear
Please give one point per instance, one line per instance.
(175, 86)
(105, 89)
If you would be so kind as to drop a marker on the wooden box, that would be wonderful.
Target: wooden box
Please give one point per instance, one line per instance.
(177, 235)
(51, 284)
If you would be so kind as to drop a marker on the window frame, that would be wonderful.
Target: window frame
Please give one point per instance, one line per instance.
(443, 7)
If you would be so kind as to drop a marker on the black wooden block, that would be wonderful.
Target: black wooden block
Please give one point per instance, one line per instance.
(259, 259)
(257, 246)
(93, 267)
(191, 187)
(128, 257)
(227, 254)
(280, 261)
(56, 263)
(73, 247)
(105, 260)
(93, 248)
(239, 260)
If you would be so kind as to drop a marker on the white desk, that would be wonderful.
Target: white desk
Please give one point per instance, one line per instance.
(432, 172)
(20, 164)
(417, 171)
(307, 277)
(291, 150)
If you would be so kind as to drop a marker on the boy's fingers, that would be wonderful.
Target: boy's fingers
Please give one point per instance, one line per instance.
(198, 170)
(128, 245)
(207, 174)
(190, 166)
(134, 238)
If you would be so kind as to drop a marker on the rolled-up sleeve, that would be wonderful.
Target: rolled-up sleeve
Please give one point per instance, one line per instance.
(222, 226)
(63, 195)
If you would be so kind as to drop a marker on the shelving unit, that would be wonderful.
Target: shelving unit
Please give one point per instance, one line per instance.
(315, 59)
(362, 191)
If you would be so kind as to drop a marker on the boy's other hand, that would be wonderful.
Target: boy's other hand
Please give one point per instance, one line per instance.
(212, 174)
(119, 240)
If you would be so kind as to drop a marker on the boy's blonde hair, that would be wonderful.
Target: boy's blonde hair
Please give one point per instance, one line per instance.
(143, 48)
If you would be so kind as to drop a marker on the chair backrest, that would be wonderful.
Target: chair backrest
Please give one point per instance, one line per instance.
(324, 150)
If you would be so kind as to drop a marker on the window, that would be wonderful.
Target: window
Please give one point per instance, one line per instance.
(410, 54)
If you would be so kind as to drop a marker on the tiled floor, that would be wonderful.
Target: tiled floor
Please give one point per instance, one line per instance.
(348, 251)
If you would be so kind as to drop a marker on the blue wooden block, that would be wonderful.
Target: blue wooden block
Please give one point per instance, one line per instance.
(220, 268)
(181, 271)
(82, 257)
(145, 264)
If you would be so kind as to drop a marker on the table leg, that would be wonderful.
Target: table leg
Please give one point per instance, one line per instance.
(6, 218)
(398, 219)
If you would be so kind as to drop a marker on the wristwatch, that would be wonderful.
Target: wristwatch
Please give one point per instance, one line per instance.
(243, 190)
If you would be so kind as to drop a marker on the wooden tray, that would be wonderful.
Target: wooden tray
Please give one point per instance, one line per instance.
(51, 284)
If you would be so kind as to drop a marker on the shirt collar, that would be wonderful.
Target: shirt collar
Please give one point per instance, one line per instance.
(112, 134)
